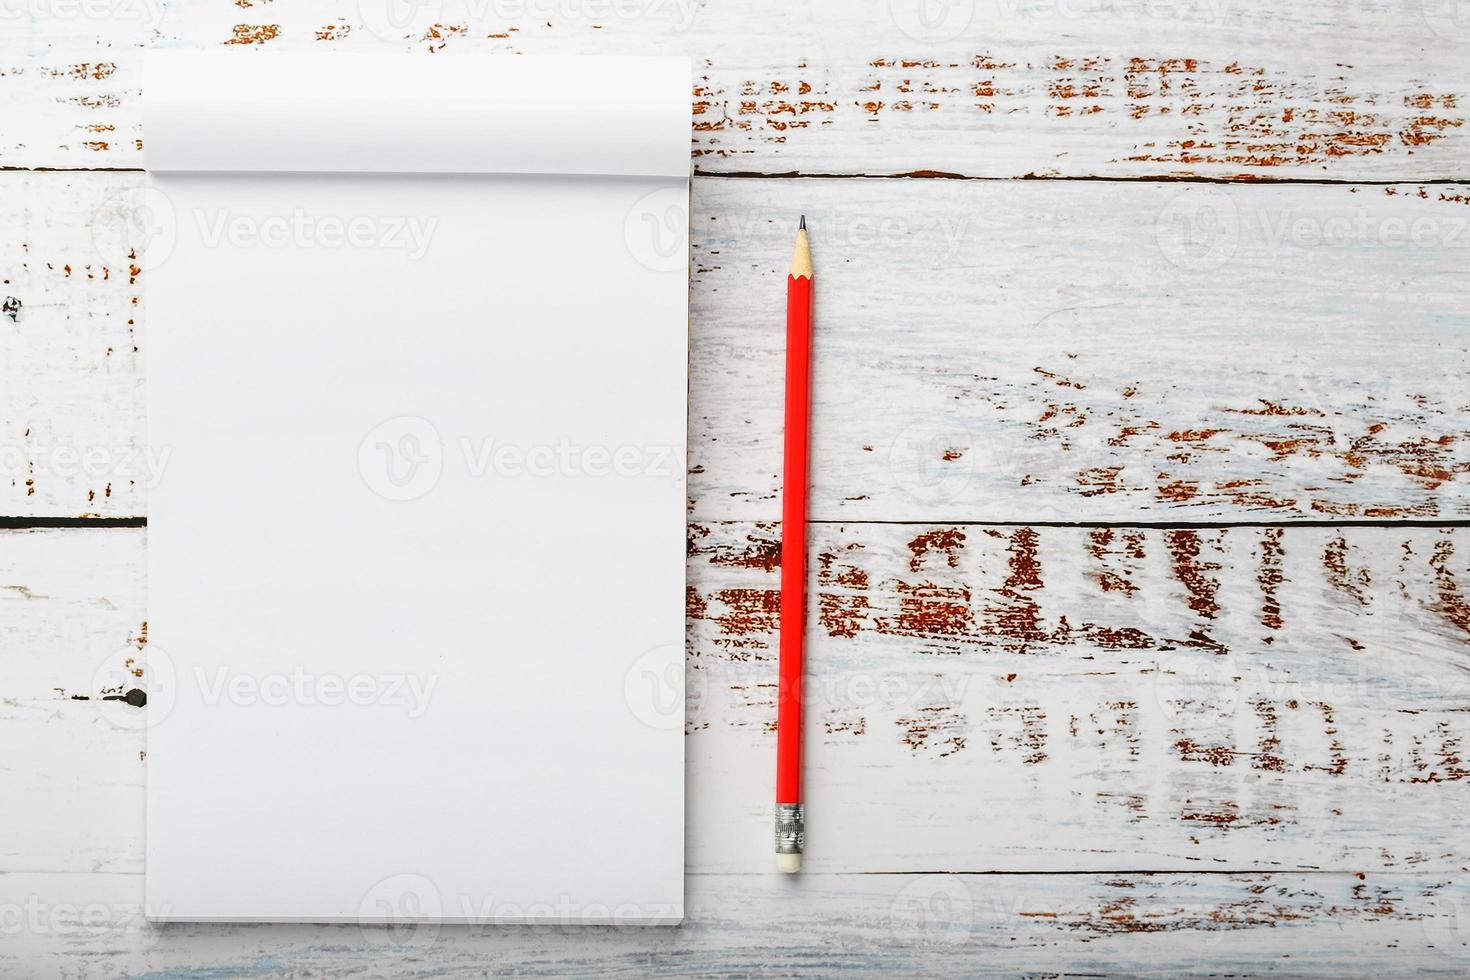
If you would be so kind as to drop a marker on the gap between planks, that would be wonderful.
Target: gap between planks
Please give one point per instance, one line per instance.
(689, 873)
(1141, 525)
(40, 523)
(1248, 179)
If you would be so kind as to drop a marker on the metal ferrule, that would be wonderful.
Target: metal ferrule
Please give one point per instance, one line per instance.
(790, 828)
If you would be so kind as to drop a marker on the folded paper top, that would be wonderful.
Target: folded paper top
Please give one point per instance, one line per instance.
(348, 112)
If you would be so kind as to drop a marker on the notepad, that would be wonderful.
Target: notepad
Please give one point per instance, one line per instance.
(417, 346)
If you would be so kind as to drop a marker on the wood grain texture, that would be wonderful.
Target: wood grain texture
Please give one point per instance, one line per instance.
(1160, 700)
(1108, 700)
(1025, 351)
(1090, 352)
(72, 619)
(93, 925)
(995, 88)
(1240, 698)
(71, 859)
(71, 398)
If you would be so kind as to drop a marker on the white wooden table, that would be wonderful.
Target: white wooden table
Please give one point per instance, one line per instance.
(1141, 636)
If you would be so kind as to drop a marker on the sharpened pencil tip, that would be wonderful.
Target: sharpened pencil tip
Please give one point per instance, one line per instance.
(803, 223)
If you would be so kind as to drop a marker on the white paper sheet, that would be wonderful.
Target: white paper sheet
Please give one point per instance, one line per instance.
(417, 368)
(311, 112)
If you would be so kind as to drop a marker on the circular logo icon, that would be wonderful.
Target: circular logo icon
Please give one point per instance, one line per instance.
(1198, 684)
(1446, 922)
(1450, 19)
(932, 21)
(401, 459)
(933, 909)
(400, 20)
(1198, 230)
(933, 460)
(135, 688)
(1390, 778)
(406, 907)
(137, 229)
(656, 230)
(1304, 384)
(660, 692)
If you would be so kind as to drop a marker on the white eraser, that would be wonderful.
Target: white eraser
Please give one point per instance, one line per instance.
(788, 863)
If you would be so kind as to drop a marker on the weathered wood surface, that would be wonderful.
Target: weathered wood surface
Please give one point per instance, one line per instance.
(1155, 699)
(996, 88)
(1284, 706)
(71, 356)
(1158, 700)
(1089, 352)
(1205, 702)
(93, 925)
(1043, 350)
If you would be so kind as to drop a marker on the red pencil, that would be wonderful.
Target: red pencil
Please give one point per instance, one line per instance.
(790, 815)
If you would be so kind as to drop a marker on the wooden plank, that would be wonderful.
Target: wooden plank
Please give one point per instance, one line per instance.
(72, 627)
(1089, 352)
(1306, 348)
(71, 398)
(1243, 699)
(993, 88)
(92, 925)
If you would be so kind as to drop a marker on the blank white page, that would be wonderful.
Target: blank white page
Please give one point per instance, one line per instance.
(416, 554)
